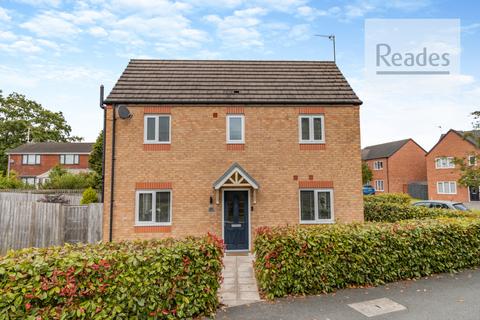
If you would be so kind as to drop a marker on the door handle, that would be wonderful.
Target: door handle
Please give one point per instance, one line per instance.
(236, 225)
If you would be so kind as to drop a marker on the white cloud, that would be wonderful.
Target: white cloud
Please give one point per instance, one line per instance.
(471, 28)
(98, 32)
(7, 36)
(311, 13)
(49, 24)
(25, 45)
(4, 16)
(241, 28)
(37, 3)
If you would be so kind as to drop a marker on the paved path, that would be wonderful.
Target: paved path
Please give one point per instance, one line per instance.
(440, 297)
(239, 284)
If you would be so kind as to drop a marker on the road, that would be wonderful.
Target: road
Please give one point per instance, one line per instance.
(439, 297)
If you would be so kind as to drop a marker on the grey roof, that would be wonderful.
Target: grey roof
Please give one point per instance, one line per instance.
(218, 184)
(472, 136)
(383, 150)
(53, 147)
(232, 82)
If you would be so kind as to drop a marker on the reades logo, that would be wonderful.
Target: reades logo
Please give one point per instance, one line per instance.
(412, 47)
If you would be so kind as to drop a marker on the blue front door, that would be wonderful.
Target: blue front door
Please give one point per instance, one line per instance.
(235, 213)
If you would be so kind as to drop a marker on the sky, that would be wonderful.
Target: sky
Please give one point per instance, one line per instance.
(58, 53)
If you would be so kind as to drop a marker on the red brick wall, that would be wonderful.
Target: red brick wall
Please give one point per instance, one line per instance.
(379, 174)
(452, 145)
(405, 166)
(198, 156)
(47, 161)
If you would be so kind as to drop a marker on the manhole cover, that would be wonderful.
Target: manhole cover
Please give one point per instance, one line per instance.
(377, 307)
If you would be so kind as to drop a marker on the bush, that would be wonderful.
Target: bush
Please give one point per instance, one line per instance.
(383, 211)
(398, 198)
(89, 196)
(12, 182)
(319, 259)
(165, 279)
(59, 178)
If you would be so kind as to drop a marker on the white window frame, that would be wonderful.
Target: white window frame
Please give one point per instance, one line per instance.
(446, 165)
(315, 200)
(378, 165)
(63, 158)
(154, 195)
(37, 161)
(474, 162)
(377, 183)
(311, 134)
(242, 118)
(157, 131)
(450, 183)
(25, 180)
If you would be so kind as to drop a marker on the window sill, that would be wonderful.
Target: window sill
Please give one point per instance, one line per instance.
(153, 228)
(316, 222)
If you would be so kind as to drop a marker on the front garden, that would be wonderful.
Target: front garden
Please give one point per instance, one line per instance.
(413, 242)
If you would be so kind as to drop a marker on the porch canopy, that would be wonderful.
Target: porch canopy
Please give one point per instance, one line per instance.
(235, 177)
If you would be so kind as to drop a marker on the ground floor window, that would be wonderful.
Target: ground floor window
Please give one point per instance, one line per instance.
(153, 207)
(29, 180)
(446, 187)
(379, 185)
(316, 206)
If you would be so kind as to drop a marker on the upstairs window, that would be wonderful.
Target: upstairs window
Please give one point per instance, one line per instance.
(235, 129)
(157, 129)
(472, 160)
(378, 165)
(31, 159)
(444, 163)
(316, 206)
(69, 159)
(312, 129)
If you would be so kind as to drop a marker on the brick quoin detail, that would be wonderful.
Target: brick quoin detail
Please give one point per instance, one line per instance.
(312, 146)
(235, 147)
(315, 184)
(157, 110)
(152, 229)
(156, 147)
(153, 185)
(235, 110)
(311, 110)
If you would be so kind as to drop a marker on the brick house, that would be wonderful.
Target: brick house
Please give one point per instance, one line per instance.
(228, 146)
(33, 161)
(442, 172)
(395, 164)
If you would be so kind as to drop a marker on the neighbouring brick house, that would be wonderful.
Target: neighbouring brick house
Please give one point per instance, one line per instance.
(442, 172)
(395, 164)
(228, 146)
(33, 161)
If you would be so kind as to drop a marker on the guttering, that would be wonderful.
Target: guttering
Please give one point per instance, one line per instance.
(102, 106)
(273, 103)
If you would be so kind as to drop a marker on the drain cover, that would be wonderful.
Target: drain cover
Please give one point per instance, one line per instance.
(377, 307)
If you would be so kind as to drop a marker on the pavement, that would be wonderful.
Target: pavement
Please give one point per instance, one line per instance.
(239, 284)
(438, 297)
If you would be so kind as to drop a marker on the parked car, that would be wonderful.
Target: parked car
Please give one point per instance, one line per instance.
(438, 204)
(368, 190)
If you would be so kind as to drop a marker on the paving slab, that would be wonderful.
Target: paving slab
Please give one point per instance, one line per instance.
(239, 285)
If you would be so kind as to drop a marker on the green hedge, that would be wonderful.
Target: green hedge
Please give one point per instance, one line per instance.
(318, 259)
(398, 198)
(396, 207)
(165, 279)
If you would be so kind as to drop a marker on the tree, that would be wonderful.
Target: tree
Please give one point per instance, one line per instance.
(95, 161)
(470, 173)
(366, 173)
(21, 118)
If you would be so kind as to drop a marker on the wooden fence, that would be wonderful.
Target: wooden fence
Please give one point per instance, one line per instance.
(34, 224)
(73, 198)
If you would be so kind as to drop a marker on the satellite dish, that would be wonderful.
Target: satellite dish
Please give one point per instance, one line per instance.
(123, 112)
